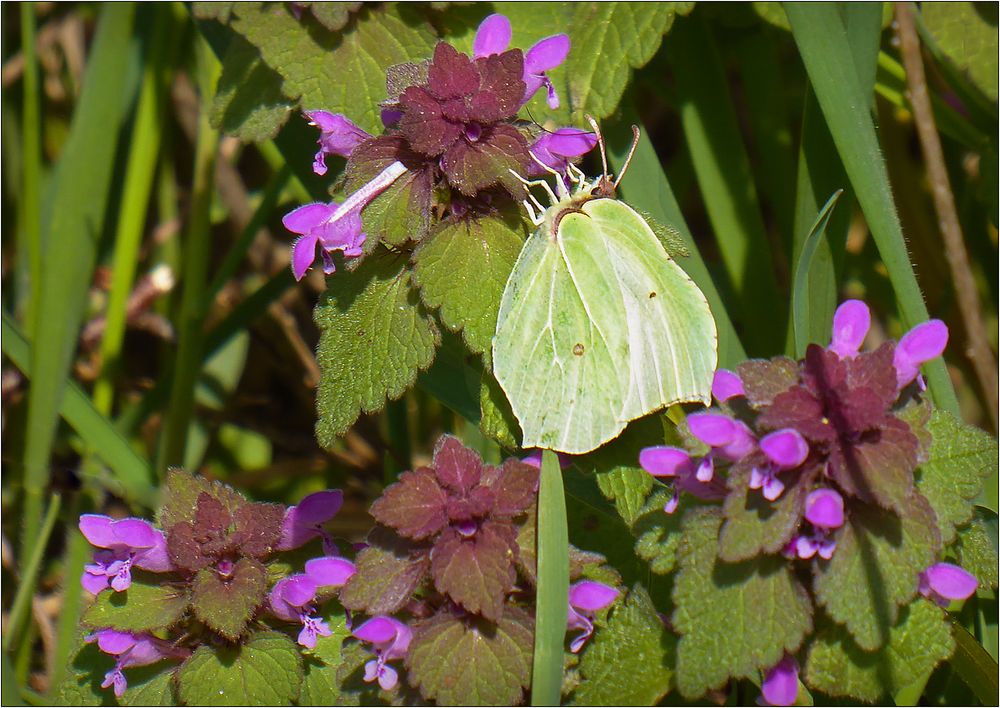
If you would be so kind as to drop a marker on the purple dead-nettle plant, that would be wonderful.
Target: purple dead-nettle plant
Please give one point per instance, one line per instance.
(451, 139)
(122, 545)
(131, 649)
(294, 598)
(586, 598)
(390, 639)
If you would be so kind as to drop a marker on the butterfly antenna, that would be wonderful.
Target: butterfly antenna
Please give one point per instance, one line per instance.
(631, 152)
(600, 143)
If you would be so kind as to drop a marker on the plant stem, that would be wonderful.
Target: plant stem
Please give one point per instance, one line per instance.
(979, 352)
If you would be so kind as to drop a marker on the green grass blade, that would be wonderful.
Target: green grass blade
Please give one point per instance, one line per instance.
(722, 169)
(826, 52)
(197, 251)
(552, 598)
(646, 188)
(975, 666)
(800, 284)
(31, 161)
(143, 150)
(72, 224)
(132, 475)
(29, 576)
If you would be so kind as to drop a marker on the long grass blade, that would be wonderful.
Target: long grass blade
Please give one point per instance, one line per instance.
(800, 284)
(29, 576)
(132, 474)
(973, 663)
(552, 598)
(722, 169)
(825, 50)
(31, 161)
(71, 227)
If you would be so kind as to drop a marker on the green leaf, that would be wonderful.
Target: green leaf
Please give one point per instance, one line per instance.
(266, 670)
(630, 659)
(497, 420)
(332, 15)
(308, 57)
(800, 287)
(734, 618)
(388, 571)
(967, 33)
(401, 213)
(658, 534)
(151, 686)
(551, 584)
(961, 457)
(827, 54)
(755, 525)
(917, 643)
(462, 268)
(82, 683)
(977, 550)
(972, 661)
(376, 336)
(319, 678)
(226, 605)
(143, 607)
(248, 102)
(628, 488)
(875, 567)
(472, 662)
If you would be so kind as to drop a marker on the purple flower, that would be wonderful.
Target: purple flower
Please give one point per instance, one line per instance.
(729, 439)
(554, 149)
(784, 449)
(304, 522)
(131, 650)
(534, 458)
(338, 136)
(390, 639)
(944, 582)
(493, 37)
(291, 598)
(921, 344)
(585, 599)
(124, 543)
(850, 326)
(825, 511)
(334, 227)
(673, 462)
(781, 683)
(726, 385)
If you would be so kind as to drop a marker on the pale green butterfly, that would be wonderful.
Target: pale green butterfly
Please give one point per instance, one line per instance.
(597, 325)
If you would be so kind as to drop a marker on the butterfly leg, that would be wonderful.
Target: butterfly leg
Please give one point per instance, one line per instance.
(537, 183)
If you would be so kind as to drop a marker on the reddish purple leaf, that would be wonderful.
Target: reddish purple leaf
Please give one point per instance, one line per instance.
(458, 468)
(451, 73)
(476, 572)
(389, 570)
(415, 505)
(763, 379)
(516, 487)
(258, 528)
(473, 166)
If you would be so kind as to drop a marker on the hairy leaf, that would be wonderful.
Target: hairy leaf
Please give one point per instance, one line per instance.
(476, 572)
(472, 662)
(633, 636)
(967, 33)
(375, 337)
(416, 505)
(227, 604)
(308, 56)
(388, 571)
(917, 643)
(319, 678)
(628, 488)
(960, 459)
(180, 497)
(462, 268)
(248, 102)
(977, 550)
(151, 686)
(265, 670)
(658, 534)
(734, 619)
(143, 607)
(875, 567)
(497, 420)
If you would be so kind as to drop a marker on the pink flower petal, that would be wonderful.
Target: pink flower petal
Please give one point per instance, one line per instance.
(330, 570)
(785, 448)
(825, 508)
(726, 385)
(850, 326)
(307, 217)
(781, 684)
(664, 461)
(492, 37)
(950, 581)
(590, 596)
(921, 344)
(546, 54)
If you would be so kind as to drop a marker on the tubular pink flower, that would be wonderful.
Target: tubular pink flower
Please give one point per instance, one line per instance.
(781, 683)
(291, 600)
(556, 149)
(492, 37)
(784, 449)
(586, 598)
(665, 461)
(850, 327)
(921, 344)
(390, 639)
(131, 649)
(729, 439)
(123, 544)
(726, 385)
(338, 136)
(944, 582)
(304, 521)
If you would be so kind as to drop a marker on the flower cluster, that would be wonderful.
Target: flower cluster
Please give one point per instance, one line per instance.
(211, 553)
(449, 128)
